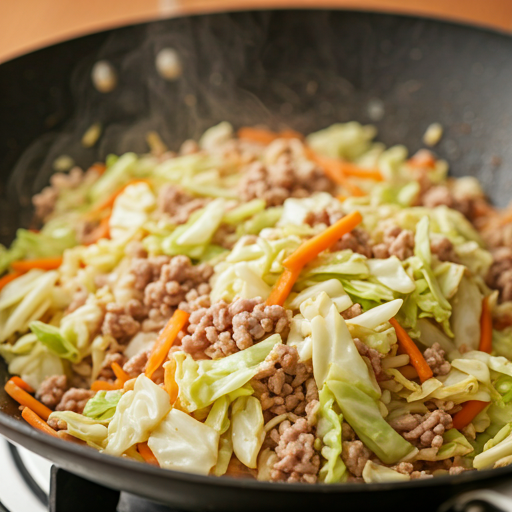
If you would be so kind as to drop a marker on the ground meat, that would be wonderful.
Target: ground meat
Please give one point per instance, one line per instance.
(416, 475)
(397, 242)
(57, 424)
(406, 468)
(79, 298)
(444, 249)
(347, 433)
(327, 216)
(373, 355)
(283, 179)
(297, 460)
(499, 276)
(177, 204)
(106, 372)
(357, 240)
(352, 311)
(426, 430)
(51, 390)
(166, 283)
(74, 400)
(136, 364)
(119, 321)
(435, 357)
(45, 201)
(458, 470)
(355, 455)
(189, 147)
(283, 384)
(442, 196)
(223, 329)
(225, 236)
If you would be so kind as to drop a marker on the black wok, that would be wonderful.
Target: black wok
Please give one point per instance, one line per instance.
(297, 69)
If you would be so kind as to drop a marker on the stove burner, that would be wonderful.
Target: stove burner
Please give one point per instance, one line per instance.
(70, 492)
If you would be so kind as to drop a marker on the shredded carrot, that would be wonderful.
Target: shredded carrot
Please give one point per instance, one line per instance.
(165, 340)
(485, 327)
(4, 281)
(103, 385)
(109, 201)
(310, 249)
(283, 287)
(35, 421)
(69, 438)
(34, 230)
(102, 231)
(336, 171)
(121, 375)
(23, 398)
(350, 169)
(468, 413)
(416, 357)
(422, 159)
(341, 198)
(22, 384)
(408, 371)
(147, 454)
(263, 136)
(42, 263)
(171, 386)
(98, 168)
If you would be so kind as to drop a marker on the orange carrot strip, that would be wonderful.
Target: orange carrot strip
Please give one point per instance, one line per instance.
(263, 136)
(485, 327)
(42, 263)
(98, 167)
(171, 386)
(350, 169)
(310, 249)
(120, 373)
(283, 287)
(468, 413)
(165, 340)
(422, 159)
(147, 454)
(4, 281)
(109, 201)
(416, 357)
(102, 231)
(35, 421)
(23, 398)
(335, 170)
(103, 385)
(22, 384)
(409, 372)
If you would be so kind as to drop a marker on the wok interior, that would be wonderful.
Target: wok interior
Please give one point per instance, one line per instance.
(298, 69)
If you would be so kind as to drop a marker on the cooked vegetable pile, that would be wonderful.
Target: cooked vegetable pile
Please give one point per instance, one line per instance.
(286, 308)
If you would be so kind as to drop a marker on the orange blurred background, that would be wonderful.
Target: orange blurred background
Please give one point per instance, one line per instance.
(29, 24)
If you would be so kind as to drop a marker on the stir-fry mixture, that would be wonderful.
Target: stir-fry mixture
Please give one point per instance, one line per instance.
(268, 305)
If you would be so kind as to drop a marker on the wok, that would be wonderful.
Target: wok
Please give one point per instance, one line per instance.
(298, 69)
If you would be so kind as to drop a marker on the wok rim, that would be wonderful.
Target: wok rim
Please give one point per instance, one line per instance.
(11, 425)
(82, 451)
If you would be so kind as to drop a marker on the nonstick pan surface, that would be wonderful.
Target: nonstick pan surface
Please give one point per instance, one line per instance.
(298, 69)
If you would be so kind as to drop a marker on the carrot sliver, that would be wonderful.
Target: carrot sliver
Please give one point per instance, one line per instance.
(109, 201)
(103, 385)
(485, 327)
(283, 287)
(171, 386)
(468, 413)
(147, 454)
(35, 421)
(121, 375)
(23, 398)
(4, 281)
(263, 136)
(422, 159)
(410, 348)
(22, 384)
(98, 167)
(165, 340)
(310, 249)
(42, 263)
(350, 169)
